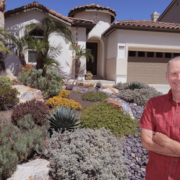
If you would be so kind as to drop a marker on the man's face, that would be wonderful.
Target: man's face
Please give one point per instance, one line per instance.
(173, 76)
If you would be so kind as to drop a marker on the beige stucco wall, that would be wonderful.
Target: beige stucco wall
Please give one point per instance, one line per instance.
(173, 14)
(121, 41)
(67, 53)
(91, 15)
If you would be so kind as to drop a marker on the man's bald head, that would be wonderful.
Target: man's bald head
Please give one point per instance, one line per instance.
(174, 59)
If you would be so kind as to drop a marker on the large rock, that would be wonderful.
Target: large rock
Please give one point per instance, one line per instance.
(109, 89)
(10, 75)
(34, 170)
(122, 106)
(27, 93)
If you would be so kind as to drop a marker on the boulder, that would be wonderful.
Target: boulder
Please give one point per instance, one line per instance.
(122, 106)
(11, 75)
(34, 170)
(27, 93)
(109, 89)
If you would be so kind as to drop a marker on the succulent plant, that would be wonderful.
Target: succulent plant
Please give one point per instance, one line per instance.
(63, 118)
(98, 84)
(134, 85)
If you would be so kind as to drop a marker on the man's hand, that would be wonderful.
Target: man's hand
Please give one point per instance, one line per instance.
(151, 145)
(161, 139)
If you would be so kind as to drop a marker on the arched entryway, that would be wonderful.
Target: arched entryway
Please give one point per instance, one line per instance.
(97, 48)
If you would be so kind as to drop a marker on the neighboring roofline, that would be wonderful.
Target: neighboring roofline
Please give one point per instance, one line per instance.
(113, 27)
(165, 11)
(36, 6)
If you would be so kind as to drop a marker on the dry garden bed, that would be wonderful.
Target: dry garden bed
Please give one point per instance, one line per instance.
(79, 133)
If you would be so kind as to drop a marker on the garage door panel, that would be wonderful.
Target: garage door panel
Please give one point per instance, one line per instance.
(150, 72)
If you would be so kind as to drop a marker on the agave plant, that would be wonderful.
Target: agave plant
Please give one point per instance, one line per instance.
(63, 118)
(134, 85)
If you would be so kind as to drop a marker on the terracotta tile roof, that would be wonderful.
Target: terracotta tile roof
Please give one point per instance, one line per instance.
(36, 5)
(143, 25)
(72, 12)
(151, 24)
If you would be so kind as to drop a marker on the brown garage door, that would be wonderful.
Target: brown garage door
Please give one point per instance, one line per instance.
(148, 70)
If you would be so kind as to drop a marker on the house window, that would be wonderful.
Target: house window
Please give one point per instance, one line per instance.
(141, 54)
(176, 54)
(159, 55)
(36, 32)
(132, 53)
(167, 55)
(32, 55)
(150, 54)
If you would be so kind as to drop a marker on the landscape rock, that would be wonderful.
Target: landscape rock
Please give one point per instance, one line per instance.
(34, 170)
(122, 105)
(11, 76)
(109, 89)
(27, 93)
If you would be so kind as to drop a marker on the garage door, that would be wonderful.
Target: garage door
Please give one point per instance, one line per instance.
(150, 70)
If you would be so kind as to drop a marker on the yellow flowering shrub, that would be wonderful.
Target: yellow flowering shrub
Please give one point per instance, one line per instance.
(64, 93)
(88, 85)
(59, 101)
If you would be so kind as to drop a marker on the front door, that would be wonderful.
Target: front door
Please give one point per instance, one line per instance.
(92, 66)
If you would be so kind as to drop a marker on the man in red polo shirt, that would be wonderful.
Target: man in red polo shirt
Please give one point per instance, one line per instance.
(160, 133)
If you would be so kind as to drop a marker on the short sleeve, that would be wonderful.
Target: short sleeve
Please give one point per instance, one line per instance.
(146, 119)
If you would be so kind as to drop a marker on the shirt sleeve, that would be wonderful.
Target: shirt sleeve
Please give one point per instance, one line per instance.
(146, 119)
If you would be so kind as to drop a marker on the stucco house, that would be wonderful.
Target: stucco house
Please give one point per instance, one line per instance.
(124, 51)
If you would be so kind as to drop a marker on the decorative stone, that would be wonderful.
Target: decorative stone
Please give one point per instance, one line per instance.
(109, 89)
(34, 170)
(11, 76)
(123, 106)
(27, 93)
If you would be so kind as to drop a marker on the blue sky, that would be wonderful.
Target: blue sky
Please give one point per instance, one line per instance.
(125, 9)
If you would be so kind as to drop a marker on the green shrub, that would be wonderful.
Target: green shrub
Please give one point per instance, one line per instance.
(63, 118)
(38, 109)
(8, 97)
(106, 115)
(16, 146)
(136, 92)
(85, 154)
(138, 96)
(50, 85)
(5, 82)
(130, 85)
(94, 96)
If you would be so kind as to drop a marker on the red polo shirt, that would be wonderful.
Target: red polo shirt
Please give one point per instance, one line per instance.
(162, 115)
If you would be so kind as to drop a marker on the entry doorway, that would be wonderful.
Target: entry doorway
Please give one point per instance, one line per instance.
(92, 66)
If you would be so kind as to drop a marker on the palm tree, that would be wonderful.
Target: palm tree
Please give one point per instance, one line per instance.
(49, 26)
(18, 44)
(40, 47)
(3, 50)
(81, 52)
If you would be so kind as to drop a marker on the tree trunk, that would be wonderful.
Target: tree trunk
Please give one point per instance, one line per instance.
(22, 59)
(2, 64)
(77, 67)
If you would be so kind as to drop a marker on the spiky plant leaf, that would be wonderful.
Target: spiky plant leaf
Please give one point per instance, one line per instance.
(63, 118)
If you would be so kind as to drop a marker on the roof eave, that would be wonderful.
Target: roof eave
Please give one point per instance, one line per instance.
(82, 25)
(115, 26)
